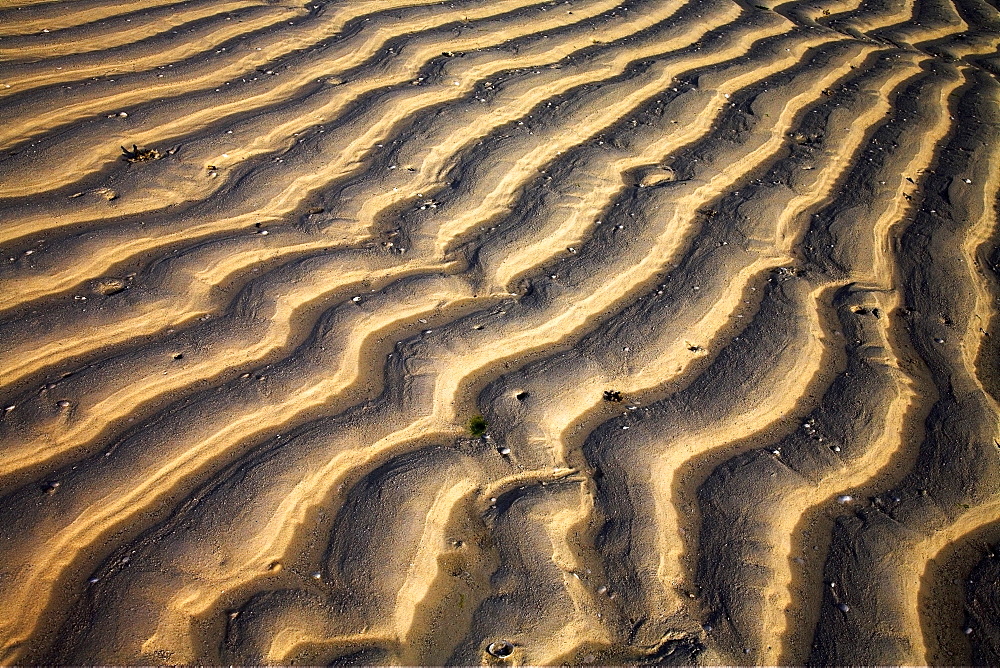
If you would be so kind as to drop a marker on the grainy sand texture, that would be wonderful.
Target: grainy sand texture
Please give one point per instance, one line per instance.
(499, 332)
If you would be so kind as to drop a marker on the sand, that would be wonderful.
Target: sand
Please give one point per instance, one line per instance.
(719, 278)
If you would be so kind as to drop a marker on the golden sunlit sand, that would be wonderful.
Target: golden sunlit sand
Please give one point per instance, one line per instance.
(499, 332)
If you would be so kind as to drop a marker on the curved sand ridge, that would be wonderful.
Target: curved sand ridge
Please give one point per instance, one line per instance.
(237, 379)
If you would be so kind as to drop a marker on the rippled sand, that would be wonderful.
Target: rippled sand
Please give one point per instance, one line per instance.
(720, 278)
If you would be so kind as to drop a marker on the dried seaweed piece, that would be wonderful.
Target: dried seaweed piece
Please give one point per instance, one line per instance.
(477, 426)
(140, 154)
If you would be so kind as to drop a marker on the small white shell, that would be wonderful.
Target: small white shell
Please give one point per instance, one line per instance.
(500, 649)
